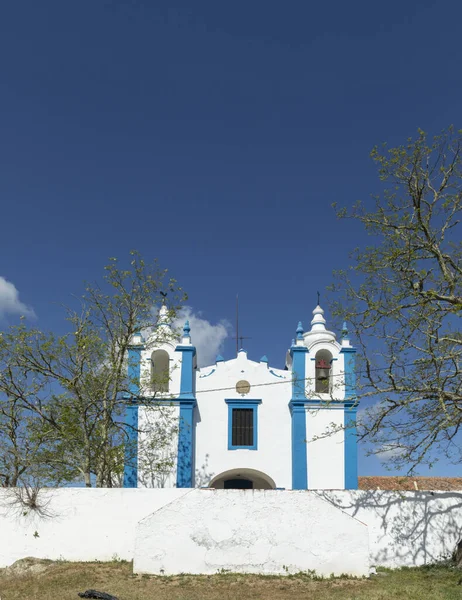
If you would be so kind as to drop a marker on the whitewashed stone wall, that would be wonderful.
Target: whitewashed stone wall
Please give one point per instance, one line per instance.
(78, 523)
(264, 531)
(325, 452)
(404, 529)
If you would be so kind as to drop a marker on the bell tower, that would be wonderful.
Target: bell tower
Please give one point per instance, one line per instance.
(323, 408)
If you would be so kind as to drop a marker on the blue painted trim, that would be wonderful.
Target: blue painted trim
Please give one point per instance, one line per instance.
(351, 449)
(208, 374)
(131, 419)
(248, 403)
(154, 401)
(187, 400)
(299, 446)
(351, 441)
(187, 372)
(332, 404)
(236, 401)
(188, 348)
(350, 375)
(297, 407)
(219, 358)
(298, 372)
(131, 447)
(184, 471)
(276, 375)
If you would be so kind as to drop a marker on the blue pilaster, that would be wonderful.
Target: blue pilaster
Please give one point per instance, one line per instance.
(187, 402)
(297, 406)
(351, 441)
(131, 419)
(351, 449)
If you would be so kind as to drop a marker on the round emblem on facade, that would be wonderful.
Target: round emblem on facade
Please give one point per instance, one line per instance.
(243, 387)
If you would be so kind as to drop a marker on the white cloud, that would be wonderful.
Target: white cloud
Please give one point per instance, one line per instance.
(207, 338)
(388, 451)
(10, 303)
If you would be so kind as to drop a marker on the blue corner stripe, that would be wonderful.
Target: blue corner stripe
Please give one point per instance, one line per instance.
(298, 372)
(131, 419)
(184, 473)
(187, 400)
(299, 450)
(131, 447)
(187, 372)
(350, 375)
(351, 440)
(297, 405)
(351, 450)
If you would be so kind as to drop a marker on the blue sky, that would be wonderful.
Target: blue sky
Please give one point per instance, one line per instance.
(213, 136)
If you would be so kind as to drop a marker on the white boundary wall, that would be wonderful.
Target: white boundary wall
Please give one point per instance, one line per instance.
(83, 524)
(264, 531)
(404, 529)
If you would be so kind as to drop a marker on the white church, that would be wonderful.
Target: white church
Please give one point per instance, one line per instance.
(242, 423)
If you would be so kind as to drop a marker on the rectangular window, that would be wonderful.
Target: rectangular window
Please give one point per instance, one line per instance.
(242, 423)
(242, 427)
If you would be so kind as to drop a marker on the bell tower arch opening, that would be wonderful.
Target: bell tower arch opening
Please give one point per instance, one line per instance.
(160, 376)
(323, 372)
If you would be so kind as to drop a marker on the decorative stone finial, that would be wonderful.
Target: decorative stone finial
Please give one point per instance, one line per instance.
(344, 331)
(299, 331)
(318, 331)
(319, 322)
(137, 338)
(293, 342)
(164, 316)
(264, 358)
(186, 330)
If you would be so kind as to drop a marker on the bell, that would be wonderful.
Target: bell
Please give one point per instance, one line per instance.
(322, 370)
(322, 374)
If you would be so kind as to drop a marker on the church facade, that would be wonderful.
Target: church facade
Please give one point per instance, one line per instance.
(243, 423)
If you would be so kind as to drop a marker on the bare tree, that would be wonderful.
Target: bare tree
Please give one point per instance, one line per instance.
(403, 298)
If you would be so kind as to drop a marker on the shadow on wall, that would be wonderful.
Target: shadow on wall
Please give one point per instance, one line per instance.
(203, 475)
(405, 528)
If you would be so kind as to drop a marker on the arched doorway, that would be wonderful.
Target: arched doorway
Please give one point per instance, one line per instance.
(242, 479)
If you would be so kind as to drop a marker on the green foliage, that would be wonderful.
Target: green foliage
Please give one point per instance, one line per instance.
(403, 298)
(62, 398)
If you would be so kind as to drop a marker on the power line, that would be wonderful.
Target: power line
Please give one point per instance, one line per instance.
(291, 380)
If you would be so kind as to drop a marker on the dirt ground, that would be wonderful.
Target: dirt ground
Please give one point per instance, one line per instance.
(63, 581)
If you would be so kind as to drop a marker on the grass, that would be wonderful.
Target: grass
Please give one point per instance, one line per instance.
(63, 580)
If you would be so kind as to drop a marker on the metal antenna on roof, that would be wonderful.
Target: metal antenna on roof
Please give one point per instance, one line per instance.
(238, 337)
